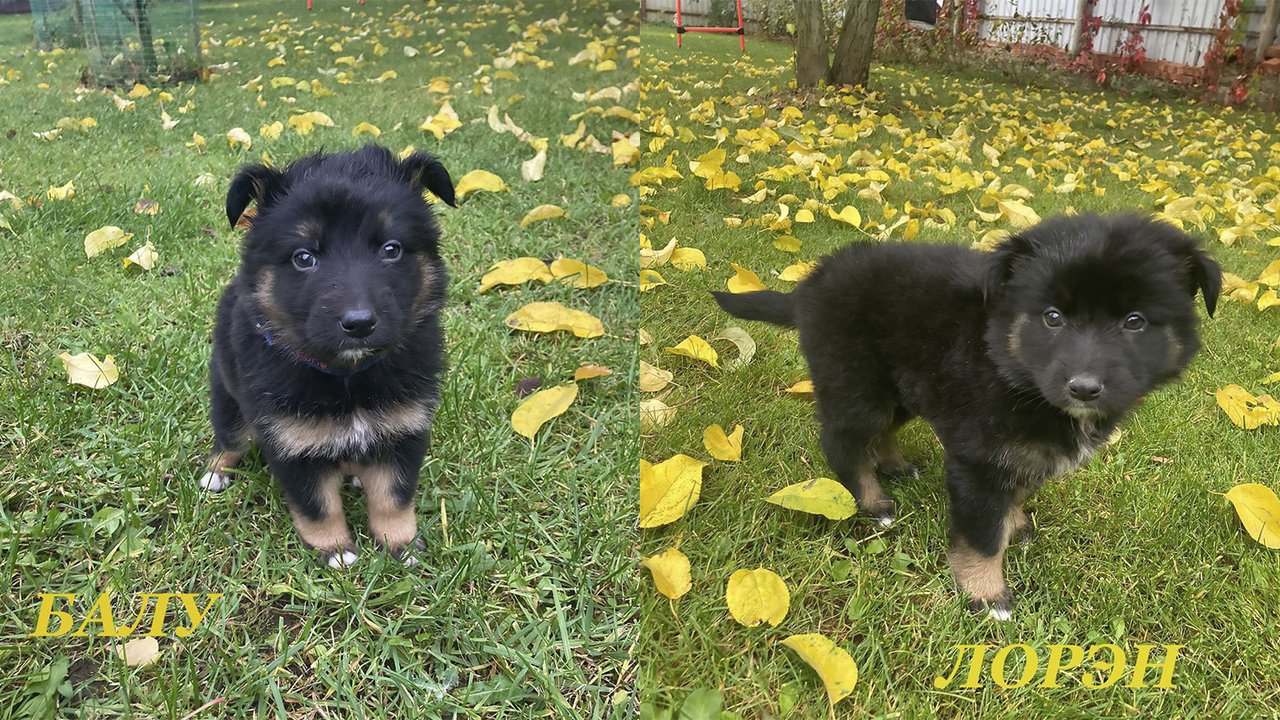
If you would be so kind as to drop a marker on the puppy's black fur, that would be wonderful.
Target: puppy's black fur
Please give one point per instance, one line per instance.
(1023, 361)
(327, 349)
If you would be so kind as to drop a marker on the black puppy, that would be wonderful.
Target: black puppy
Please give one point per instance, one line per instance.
(328, 350)
(1023, 361)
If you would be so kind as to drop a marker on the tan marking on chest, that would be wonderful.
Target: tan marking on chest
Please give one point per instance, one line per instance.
(348, 434)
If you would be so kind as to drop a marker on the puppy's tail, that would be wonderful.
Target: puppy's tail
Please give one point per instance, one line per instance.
(766, 305)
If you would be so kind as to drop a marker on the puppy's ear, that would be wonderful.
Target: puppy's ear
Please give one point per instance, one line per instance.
(252, 183)
(1000, 265)
(423, 170)
(1203, 272)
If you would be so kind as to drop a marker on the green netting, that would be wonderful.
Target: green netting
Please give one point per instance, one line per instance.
(149, 41)
(58, 24)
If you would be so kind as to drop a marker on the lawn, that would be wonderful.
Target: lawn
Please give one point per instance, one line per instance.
(523, 606)
(1137, 547)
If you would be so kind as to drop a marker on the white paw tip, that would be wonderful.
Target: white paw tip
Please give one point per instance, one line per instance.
(884, 522)
(339, 560)
(355, 482)
(410, 560)
(1000, 614)
(214, 481)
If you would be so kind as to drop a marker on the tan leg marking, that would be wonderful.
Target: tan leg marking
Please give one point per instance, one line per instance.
(392, 525)
(1015, 522)
(330, 533)
(225, 460)
(871, 497)
(977, 574)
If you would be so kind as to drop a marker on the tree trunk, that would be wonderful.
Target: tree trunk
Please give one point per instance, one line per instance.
(811, 44)
(143, 19)
(852, 62)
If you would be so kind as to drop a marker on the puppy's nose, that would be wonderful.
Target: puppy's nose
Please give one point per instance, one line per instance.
(1085, 387)
(359, 323)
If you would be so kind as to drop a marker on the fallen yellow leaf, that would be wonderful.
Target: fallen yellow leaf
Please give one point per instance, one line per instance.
(654, 414)
(516, 271)
(821, 496)
(650, 258)
(365, 128)
(670, 570)
(837, 669)
(1245, 410)
(757, 596)
(88, 370)
(743, 280)
(797, 271)
(66, 192)
(652, 378)
(668, 489)
(804, 387)
(583, 276)
(1259, 512)
(144, 257)
(552, 316)
(540, 407)
(848, 215)
(542, 212)
(698, 349)
(139, 652)
(103, 239)
(443, 122)
(721, 446)
(586, 372)
(238, 138)
(686, 258)
(477, 180)
(650, 279)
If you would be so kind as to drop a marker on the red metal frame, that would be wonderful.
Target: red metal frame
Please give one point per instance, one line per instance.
(740, 29)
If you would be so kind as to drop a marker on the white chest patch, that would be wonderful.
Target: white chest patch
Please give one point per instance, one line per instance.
(351, 434)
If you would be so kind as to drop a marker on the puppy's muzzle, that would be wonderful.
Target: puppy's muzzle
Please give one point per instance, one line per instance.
(359, 323)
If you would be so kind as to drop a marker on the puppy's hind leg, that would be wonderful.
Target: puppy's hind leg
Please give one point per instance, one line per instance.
(889, 460)
(851, 454)
(230, 437)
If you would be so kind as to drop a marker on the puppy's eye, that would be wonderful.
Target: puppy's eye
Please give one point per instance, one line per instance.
(392, 251)
(304, 260)
(1135, 321)
(1052, 318)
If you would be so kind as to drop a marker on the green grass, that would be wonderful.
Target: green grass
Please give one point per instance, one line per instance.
(1137, 547)
(523, 606)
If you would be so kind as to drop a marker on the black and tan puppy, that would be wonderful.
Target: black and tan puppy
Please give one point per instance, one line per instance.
(1023, 361)
(328, 350)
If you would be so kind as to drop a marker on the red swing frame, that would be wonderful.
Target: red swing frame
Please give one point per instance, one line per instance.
(740, 29)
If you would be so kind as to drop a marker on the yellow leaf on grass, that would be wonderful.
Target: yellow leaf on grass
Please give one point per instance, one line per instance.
(146, 207)
(797, 272)
(650, 279)
(721, 446)
(650, 258)
(144, 257)
(271, 131)
(477, 180)
(698, 349)
(654, 414)
(1271, 275)
(837, 669)
(821, 496)
(303, 123)
(787, 243)
(688, 258)
(743, 280)
(366, 128)
(540, 407)
(670, 570)
(652, 378)
(139, 652)
(1245, 410)
(442, 123)
(542, 212)
(804, 387)
(757, 596)
(103, 239)
(516, 271)
(583, 276)
(620, 200)
(531, 170)
(626, 149)
(1017, 213)
(238, 138)
(586, 372)
(552, 316)
(1268, 299)
(804, 215)
(139, 91)
(1259, 511)
(669, 489)
(848, 215)
(88, 370)
(66, 192)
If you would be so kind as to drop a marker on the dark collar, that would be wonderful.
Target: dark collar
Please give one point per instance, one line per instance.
(261, 325)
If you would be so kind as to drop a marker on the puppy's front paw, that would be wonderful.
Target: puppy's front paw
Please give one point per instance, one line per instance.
(215, 481)
(408, 553)
(883, 512)
(899, 471)
(337, 559)
(999, 608)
